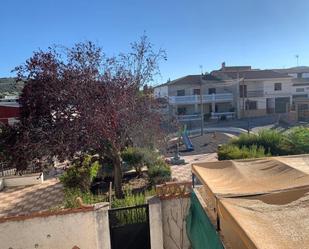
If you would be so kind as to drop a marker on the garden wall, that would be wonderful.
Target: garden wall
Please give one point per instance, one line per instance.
(167, 214)
(24, 180)
(85, 228)
(174, 213)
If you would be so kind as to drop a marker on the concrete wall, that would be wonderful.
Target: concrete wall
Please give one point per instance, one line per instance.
(14, 181)
(1, 184)
(155, 223)
(172, 90)
(86, 229)
(161, 91)
(174, 212)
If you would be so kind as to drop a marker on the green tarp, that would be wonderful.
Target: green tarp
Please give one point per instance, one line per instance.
(200, 230)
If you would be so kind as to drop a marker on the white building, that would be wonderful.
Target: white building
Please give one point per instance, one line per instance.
(234, 92)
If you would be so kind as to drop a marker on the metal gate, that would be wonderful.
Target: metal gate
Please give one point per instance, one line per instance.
(129, 227)
(303, 112)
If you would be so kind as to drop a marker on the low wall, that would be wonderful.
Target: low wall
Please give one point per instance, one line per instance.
(1, 184)
(14, 181)
(174, 213)
(85, 228)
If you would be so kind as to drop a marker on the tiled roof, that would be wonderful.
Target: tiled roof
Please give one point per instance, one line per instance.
(192, 79)
(28, 199)
(302, 69)
(250, 74)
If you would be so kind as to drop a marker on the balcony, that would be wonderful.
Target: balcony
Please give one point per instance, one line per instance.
(195, 99)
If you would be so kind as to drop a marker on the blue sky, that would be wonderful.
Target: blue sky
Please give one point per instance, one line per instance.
(261, 33)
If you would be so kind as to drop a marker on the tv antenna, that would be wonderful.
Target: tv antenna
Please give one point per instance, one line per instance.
(201, 67)
(297, 57)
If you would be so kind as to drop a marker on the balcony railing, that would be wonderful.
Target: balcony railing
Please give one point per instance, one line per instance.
(258, 93)
(195, 99)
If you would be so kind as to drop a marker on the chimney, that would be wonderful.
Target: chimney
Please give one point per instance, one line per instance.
(223, 66)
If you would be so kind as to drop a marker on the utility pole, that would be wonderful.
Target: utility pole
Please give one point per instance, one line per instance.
(245, 104)
(238, 96)
(202, 109)
(243, 98)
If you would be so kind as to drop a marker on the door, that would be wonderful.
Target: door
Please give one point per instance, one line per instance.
(129, 227)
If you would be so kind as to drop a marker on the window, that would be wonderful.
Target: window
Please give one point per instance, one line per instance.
(300, 90)
(211, 90)
(181, 92)
(278, 86)
(181, 110)
(299, 75)
(196, 91)
(243, 91)
(251, 105)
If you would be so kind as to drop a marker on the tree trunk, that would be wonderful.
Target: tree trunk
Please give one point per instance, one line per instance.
(117, 174)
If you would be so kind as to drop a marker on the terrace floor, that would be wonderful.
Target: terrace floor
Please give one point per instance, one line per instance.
(27, 199)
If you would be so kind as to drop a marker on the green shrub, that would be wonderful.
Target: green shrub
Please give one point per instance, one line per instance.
(71, 194)
(134, 158)
(271, 140)
(80, 176)
(230, 152)
(150, 157)
(297, 141)
(138, 157)
(159, 173)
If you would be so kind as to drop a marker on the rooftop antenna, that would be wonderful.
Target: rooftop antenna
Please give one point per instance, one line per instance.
(201, 67)
(297, 57)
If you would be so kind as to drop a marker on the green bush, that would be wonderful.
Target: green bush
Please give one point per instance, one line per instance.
(230, 152)
(138, 157)
(159, 173)
(134, 158)
(297, 141)
(150, 157)
(271, 140)
(80, 176)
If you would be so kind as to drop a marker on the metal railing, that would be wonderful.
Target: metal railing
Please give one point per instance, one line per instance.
(195, 99)
(252, 94)
(7, 170)
(189, 117)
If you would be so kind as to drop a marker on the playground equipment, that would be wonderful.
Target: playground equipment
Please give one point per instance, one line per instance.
(186, 140)
(176, 160)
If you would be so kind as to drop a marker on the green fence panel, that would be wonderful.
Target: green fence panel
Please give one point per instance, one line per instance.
(200, 230)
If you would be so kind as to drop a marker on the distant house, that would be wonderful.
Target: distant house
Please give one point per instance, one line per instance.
(10, 90)
(9, 110)
(237, 91)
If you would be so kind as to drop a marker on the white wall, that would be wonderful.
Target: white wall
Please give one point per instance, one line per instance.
(155, 223)
(14, 181)
(174, 213)
(86, 230)
(161, 91)
(1, 184)
(287, 88)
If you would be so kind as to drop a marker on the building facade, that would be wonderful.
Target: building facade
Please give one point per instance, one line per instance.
(236, 92)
